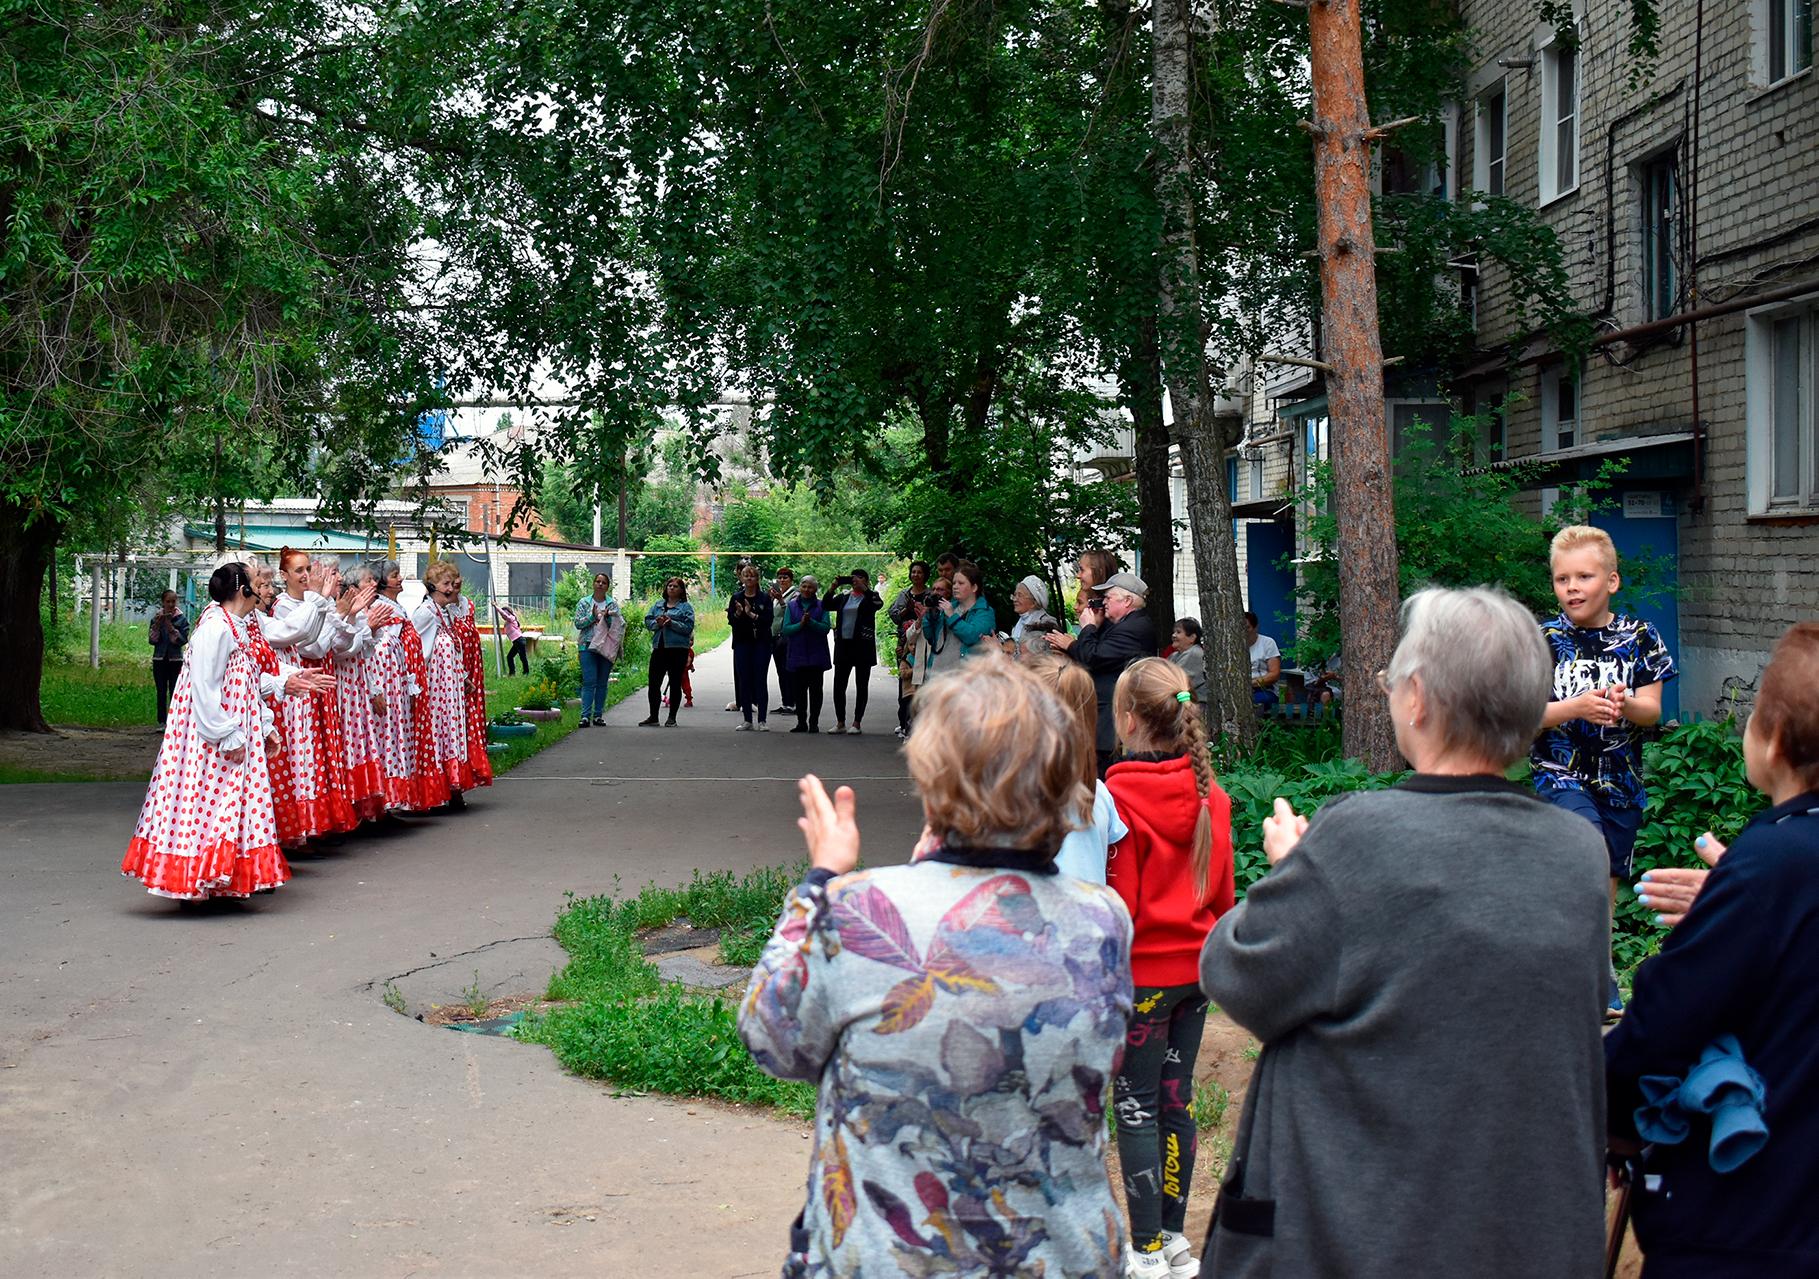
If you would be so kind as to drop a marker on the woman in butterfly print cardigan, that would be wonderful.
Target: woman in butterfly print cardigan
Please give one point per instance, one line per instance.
(962, 1014)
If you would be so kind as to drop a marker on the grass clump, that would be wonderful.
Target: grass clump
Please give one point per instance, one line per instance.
(621, 1022)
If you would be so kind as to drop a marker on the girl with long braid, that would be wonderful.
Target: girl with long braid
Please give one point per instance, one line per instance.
(1174, 872)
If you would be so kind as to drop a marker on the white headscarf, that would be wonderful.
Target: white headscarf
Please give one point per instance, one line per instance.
(1037, 590)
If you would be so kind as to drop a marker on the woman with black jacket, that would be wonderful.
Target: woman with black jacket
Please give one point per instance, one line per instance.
(853, 614)
(750, 612)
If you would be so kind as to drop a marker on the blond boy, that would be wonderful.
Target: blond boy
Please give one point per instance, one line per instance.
(1608, 673)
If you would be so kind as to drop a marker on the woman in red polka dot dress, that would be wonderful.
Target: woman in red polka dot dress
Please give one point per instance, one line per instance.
(447, 695)
(302, 630)
(360, 728)
(207, 826)
(413, 779)
(473, 666)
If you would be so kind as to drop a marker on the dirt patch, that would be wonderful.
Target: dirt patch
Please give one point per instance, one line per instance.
(678, 934)
(450, 1014)
(73, 753)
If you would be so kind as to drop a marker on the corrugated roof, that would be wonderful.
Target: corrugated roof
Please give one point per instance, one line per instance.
(271, 537)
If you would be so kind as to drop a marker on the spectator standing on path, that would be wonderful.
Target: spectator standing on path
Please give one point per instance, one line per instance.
(1030, 602)
(962, 627)
(783, 594)
(1117, 632)
(750, 614)
(1094, 568)
(1741, 962)
(599, 649)
(960, 1014)
(854, 614)
(1266, 666)
(1608, 674)
(1186, 652)
(671, 622)
(1174, 871)
(1403, 1092)
(167, 634)
(903, 607)
(514, 635)
(917, 653)
(805, 630)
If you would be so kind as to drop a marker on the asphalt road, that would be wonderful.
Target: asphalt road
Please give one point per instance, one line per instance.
(218, 1090)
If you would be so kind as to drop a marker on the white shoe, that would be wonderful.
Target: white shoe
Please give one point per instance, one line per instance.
(743, 726)
(763, 726)
(1182, 1264)
(1145, 1265)
(837, 728)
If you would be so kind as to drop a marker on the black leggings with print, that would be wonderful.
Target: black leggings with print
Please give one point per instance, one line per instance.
(1150, 1096)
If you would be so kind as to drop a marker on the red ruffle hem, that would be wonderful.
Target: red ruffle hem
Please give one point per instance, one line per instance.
(222, 870)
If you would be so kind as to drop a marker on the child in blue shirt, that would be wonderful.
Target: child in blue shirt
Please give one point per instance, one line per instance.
(1608, 673)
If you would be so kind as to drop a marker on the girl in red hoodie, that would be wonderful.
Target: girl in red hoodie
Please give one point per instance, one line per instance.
(1174, 872)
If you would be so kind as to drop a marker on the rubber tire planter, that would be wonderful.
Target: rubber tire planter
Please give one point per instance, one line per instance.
(499, 732)
(539, 715)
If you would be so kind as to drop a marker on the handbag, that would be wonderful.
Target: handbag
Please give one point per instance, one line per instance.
(608, 635)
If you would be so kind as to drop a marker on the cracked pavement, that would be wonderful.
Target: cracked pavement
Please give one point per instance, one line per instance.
(218, 1090)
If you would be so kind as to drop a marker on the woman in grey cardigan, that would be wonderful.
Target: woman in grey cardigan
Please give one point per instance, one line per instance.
(1426, 968)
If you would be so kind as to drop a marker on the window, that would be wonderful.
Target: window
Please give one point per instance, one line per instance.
(1559, 121)
(1256, 473)
(1782, 375)
(1405, 416)
(1660, 238)
(1784, 39)
(1488, 145)
(1317, 441)
(1485, 404)
(1559, 410)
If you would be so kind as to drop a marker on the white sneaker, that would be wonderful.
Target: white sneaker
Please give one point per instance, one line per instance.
(1145, 1265)
(743, 726)
(1182, 1264)
(764, 726)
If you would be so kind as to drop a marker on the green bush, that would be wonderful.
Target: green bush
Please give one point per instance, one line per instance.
(1307, 786)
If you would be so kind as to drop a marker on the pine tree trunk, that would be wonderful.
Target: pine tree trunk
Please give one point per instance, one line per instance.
(25, 554)
(1362, 499)
(1202, 441)
(1155, 499)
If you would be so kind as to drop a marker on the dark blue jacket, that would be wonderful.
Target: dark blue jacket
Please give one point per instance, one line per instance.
(1745, 961)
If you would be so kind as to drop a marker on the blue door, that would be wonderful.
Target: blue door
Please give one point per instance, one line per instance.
(1648, 550)
(1269, 582)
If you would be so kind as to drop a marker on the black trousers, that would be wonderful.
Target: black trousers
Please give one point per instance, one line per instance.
(810, 687)
(751, 679)
(666, 663)
(520, 653)
(1151, 1095)
(845, 665)
(164, 674)
(786, 678)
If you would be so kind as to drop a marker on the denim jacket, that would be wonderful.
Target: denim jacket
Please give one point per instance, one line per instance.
(680, 633)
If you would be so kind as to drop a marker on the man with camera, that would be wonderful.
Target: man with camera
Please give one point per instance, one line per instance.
(1115, 631)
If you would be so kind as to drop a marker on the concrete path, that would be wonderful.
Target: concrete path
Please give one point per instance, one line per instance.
(218, 1090)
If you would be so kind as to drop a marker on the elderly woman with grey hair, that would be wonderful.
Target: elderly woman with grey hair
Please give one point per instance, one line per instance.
(1425, 966)
(1030, 602)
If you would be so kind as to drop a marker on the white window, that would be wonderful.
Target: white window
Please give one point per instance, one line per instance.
(1559, 410)
(1660, 237)
(1559, 121)
(1489, 145)
(1782, 375)
(1784, 39)
(1256, 473)
(1316, 441)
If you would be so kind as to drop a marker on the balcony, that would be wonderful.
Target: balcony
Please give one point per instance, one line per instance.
(1111, 455)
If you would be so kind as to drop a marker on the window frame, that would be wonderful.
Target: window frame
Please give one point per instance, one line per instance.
(1554, 55)
(1760, 365)
(1482, 161)
(1553, 425)
(1792, 20)
(1654, 306)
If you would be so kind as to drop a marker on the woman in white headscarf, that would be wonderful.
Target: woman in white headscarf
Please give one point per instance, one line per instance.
(1030, 600)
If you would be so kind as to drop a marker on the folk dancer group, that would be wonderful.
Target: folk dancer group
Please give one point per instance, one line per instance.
(307, 705)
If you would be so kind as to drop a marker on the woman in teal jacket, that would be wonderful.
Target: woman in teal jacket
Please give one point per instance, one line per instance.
(671, 622)
(966, 621)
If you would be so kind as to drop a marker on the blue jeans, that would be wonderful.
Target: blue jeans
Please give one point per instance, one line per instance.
(595, 671)
(751, 679)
